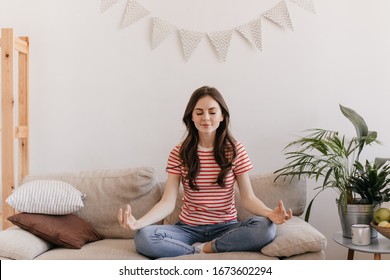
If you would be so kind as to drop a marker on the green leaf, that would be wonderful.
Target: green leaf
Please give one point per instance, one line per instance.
(308, 209)
(357, 121)
(364, 136)
(371, 137)
(381, 161)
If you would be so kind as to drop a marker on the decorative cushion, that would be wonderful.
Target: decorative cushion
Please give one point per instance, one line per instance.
(69, 231)
(109, 189)
(18, 244)
(291, 191)
(46, 197)
(295, 237)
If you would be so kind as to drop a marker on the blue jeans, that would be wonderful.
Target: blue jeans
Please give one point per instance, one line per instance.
(157, 241)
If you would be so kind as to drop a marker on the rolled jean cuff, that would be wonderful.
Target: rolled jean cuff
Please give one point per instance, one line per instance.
(213, 247)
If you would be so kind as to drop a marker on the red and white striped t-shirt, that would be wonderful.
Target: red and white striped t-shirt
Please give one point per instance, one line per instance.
(211, 204)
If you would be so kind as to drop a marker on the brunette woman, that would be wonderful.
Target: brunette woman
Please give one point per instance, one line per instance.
(208, 163)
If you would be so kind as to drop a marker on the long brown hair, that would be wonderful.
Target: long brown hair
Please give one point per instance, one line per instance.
(224, 145)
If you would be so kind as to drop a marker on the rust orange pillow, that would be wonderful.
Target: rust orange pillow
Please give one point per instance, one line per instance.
(68, 231)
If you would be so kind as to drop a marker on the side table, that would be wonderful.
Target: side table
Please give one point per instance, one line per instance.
(378, 246)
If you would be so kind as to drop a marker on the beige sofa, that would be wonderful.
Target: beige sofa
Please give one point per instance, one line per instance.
(107, 190)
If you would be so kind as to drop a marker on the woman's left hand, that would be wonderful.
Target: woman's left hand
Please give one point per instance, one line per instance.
(279, 215)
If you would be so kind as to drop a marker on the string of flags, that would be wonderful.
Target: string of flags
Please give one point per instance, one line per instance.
(190, 39)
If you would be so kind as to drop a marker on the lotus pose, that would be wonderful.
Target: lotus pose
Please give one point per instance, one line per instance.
(207, 163)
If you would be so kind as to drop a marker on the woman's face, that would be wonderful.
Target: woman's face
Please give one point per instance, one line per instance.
(207, 115)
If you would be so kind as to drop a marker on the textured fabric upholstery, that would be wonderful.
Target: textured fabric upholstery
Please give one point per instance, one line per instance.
(18, 244)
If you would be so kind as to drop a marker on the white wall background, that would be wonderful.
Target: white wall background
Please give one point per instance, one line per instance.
(101, 98)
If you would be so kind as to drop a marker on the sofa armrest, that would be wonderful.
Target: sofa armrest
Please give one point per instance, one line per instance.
(18, 244)
(295, 237)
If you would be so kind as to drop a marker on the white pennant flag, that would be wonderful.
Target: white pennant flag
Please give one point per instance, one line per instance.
(306, 4)
(221, 41)
(190, 41)
(252, 32)
(133, 12)
(106, 4)
(161, 30)
(280, 15)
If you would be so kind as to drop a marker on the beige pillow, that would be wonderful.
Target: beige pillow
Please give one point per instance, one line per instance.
(18, 244)
(292, 192)
(295, 237)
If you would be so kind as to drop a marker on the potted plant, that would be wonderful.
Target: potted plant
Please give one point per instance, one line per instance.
(370, 181)
(326, 156)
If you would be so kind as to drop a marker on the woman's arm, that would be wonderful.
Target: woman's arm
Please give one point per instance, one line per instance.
(159, 211)
(254, 205)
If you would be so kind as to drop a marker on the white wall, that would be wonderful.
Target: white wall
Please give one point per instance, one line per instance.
(101, 98)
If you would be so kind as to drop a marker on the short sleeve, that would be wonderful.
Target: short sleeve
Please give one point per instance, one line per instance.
(242, 163)
(174, 162)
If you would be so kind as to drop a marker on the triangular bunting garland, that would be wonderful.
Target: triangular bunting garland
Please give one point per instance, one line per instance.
(280, 15)
(190, 40)
(161, 30)
(221, 42)
(252, 32)
(106, 4)
(133, 12)
(306, 4)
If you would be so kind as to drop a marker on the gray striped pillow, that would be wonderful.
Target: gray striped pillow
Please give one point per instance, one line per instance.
(46, 197)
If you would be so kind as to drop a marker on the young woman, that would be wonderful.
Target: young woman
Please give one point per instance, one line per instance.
(208, 163)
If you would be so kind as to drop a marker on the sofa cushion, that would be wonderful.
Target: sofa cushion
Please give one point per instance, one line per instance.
(18, 244)
(69, 231)
(46, 197)
(224, 256)
(108, 190)
(292, 192)
(295, 237)
(107, 249)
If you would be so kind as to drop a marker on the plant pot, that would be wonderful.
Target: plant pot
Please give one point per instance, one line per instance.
(356, 214)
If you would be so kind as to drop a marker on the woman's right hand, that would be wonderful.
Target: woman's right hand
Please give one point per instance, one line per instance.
(127, 220)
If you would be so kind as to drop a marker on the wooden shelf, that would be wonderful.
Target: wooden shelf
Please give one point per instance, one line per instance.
(9, 44)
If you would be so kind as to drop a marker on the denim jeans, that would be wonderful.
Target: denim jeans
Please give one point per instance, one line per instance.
(157, 241)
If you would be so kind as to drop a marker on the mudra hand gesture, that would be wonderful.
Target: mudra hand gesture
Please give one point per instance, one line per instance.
(279, 214)
(127, 220)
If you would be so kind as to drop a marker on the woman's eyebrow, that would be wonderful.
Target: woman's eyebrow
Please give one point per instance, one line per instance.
(212, 108)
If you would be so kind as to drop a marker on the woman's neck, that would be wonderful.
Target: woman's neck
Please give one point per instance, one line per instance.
(206, 141)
